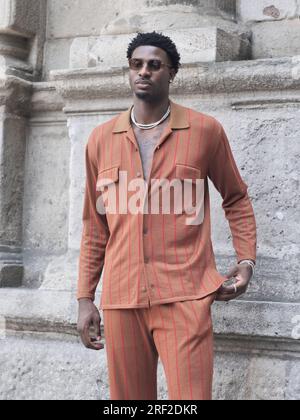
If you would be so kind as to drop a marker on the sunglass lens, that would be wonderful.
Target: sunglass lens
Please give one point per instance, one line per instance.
(135, 64)
(154, 65)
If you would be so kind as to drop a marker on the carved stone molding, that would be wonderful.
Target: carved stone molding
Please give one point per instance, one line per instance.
(95, 85)
(15, 95)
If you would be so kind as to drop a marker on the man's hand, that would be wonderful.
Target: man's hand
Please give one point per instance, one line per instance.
(242, 273)
(88, 316)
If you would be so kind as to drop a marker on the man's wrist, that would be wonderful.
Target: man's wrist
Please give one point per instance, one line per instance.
(85, 300)
(250, 262)
(247, 259)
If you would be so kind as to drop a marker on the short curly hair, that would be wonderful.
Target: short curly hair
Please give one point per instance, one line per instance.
(156, 40)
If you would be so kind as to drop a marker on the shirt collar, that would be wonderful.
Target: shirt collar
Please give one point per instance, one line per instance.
(178, 118)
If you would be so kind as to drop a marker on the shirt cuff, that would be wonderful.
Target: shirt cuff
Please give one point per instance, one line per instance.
(86, 295)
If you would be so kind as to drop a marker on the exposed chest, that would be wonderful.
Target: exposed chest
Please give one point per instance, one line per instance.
(149, 136)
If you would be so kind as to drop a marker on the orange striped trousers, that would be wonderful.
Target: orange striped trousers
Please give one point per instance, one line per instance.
(179, 333)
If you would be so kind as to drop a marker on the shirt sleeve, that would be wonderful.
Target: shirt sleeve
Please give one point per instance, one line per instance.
(95, 232)
(223, 172)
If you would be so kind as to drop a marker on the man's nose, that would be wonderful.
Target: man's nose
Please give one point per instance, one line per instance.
(144, 70)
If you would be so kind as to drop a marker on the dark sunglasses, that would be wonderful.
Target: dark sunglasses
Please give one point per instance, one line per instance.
(153, 65)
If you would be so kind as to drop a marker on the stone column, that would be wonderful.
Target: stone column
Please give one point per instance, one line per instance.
(20, 55)
(14, 105)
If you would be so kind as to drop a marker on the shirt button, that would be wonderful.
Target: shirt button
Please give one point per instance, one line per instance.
(146, 260)
(144, 289)
(138, 174)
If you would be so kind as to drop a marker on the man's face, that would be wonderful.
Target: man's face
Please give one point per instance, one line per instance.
(157, 87)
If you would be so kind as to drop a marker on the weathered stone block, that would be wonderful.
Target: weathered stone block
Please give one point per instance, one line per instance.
(194, 45)
(265, 10)
(276, 39)
(56, 56)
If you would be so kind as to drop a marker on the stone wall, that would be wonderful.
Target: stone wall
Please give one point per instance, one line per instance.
(58, 79)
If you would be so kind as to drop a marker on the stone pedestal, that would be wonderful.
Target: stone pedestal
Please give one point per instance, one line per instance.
(257, 101)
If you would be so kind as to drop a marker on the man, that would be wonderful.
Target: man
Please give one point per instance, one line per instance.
(160, 274)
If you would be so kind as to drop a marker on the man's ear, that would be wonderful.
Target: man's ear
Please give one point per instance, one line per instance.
(172, 75)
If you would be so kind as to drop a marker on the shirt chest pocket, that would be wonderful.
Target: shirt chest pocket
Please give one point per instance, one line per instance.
(188, 176)
(107, 177)
(108, 188)
(186, 172)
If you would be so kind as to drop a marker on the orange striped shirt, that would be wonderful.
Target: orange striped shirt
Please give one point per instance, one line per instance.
(150, 258)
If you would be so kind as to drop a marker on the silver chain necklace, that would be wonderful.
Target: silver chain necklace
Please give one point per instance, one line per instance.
(152, 125)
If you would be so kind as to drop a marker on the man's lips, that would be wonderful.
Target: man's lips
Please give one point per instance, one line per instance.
(143, 85)
(142, 82)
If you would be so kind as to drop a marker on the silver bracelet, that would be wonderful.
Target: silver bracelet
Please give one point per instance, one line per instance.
(249, 262)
